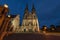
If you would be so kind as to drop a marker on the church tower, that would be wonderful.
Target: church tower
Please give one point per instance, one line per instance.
(35, 19)
(30, 21)
(26, 12)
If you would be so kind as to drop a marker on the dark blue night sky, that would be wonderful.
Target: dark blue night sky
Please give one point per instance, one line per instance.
(48, 11)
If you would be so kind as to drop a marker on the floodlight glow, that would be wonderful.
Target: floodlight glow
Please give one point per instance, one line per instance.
(5, 5)
(8, 15)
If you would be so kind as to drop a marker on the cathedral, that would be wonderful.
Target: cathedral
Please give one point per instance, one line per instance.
(30, 21)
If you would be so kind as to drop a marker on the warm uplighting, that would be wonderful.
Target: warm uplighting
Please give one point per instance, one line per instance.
(45, 27)
(5, 5)
(9, 16)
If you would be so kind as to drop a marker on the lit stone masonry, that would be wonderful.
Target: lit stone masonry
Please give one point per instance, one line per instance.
(30, 21)
(15, 24)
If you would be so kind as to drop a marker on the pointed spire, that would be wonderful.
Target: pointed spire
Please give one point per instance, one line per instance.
(26, 11)
(26, 7)
(33, 8)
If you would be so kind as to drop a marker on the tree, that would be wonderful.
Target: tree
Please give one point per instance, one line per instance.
(52, 28)
(44, 27)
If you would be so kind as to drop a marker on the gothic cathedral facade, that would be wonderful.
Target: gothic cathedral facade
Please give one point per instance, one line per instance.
(30, 21)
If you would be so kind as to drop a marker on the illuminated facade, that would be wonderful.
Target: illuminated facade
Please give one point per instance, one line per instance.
(12, 22)
(15, 23)
(30, 21)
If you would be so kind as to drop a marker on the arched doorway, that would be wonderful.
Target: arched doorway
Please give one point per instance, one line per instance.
(30, 30)
(24, 30)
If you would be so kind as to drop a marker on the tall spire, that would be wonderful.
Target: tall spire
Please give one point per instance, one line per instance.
(26, 9)
(26, 6)
(33, 12)
(33, 8)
